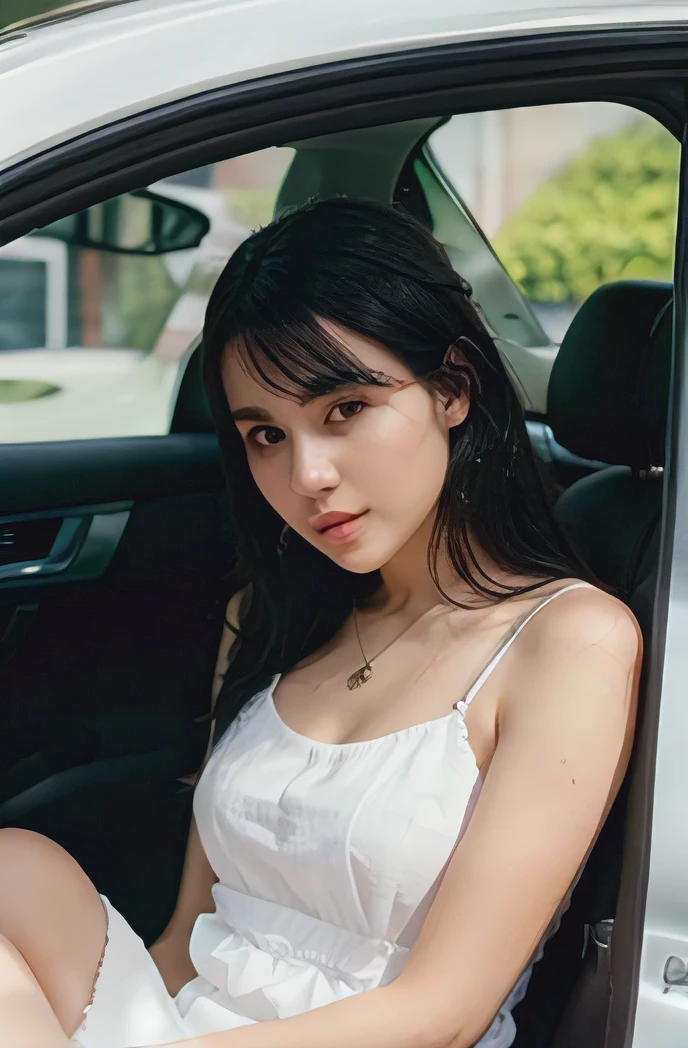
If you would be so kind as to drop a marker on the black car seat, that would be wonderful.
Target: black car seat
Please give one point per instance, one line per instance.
(608, 401)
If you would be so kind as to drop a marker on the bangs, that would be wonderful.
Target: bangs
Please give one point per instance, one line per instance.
(298, 358)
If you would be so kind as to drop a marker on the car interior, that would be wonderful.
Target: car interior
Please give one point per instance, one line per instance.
(106, 659)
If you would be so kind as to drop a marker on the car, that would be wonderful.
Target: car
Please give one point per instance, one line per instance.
(541, 144)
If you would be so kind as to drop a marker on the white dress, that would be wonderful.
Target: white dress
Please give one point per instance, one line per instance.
(328, 858)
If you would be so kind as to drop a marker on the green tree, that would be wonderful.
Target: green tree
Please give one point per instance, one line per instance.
(609, 214)
(12, 11)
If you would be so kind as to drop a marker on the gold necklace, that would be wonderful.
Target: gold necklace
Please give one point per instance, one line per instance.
(363, 675)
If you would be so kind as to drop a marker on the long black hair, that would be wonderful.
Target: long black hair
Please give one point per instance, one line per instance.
(378, 272)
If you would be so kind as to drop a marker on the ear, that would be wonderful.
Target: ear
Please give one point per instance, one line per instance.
(455, 381)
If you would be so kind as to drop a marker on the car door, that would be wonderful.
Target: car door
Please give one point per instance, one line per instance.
(655, 896)
(113, 541)
(117, 647)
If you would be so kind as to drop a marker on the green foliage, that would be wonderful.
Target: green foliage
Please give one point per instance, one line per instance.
(610, 214)
(12, 11)
(145, 295)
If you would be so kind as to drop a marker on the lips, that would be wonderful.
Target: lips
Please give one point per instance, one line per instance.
(326, 521)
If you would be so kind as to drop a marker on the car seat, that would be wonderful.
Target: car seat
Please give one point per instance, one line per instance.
(608, 400)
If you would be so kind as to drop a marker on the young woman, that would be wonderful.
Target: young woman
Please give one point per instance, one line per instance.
(428, 712)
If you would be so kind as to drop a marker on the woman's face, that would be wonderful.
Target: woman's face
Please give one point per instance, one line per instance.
(357, 472)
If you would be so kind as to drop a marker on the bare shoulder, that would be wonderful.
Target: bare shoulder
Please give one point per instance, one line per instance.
(573, 686)
(583, 618)
(578, 661)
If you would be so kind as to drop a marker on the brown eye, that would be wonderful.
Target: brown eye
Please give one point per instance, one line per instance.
(267, 436)
(347, 410)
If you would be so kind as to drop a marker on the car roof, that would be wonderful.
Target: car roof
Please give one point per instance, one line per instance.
(79, 69)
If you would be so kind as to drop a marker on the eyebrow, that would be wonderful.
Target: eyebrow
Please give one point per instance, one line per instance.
(252, 415)
(336, 391)
(256, 414)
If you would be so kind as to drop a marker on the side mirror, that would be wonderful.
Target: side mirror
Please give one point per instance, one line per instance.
(675, 973)
(137, 223)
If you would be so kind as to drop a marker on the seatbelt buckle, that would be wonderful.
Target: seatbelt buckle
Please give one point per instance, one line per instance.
(601, 935)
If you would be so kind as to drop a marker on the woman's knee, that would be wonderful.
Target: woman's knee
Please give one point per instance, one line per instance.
(38, 875)
(52, 913)
(32, 866)
(22, 844)
(26, 842)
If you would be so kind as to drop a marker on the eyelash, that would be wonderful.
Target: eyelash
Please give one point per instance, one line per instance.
(253, 433)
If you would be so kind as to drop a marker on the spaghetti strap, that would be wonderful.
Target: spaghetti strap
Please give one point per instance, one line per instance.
(507, 641)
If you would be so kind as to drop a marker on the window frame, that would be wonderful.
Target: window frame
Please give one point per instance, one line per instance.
(281, 109)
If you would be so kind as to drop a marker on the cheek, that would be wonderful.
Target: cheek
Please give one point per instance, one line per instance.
(405, 454)
(270, 472)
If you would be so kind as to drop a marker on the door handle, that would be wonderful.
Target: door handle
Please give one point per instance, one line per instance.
(82, 549)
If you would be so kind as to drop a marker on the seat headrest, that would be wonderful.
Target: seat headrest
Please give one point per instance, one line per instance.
(608, 394)
(192, 412)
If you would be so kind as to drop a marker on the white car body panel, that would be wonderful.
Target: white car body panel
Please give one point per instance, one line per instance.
(109, 64)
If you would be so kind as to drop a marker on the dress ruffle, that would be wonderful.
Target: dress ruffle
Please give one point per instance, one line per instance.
(269, 961)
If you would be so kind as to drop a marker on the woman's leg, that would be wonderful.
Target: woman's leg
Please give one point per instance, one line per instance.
(53, 916)
(26, 1018)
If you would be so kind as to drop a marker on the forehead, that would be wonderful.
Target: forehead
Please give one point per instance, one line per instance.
(243, 386)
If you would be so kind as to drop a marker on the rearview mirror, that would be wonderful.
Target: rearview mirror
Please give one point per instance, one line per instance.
(137, 223)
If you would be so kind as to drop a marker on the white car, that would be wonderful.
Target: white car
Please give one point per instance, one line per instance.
(540, 143)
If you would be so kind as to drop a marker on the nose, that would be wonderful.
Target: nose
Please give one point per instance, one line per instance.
(313, 470)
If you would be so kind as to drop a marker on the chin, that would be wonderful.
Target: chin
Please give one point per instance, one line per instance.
(361, 559)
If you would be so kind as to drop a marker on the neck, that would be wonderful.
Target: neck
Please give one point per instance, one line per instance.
(408, 585)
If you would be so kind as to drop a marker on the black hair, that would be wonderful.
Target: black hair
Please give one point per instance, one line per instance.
(378, 272)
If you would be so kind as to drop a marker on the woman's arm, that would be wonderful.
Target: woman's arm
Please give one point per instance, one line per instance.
(564, 737)
(171, 951)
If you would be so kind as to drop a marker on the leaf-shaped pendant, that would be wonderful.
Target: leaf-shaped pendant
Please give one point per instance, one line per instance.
(358, 679)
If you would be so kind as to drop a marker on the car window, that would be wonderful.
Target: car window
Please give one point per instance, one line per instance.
(23, 298)
(91, 340)
(570, 196)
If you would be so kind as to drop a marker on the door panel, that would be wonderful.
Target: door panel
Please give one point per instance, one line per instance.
(107, 676)
(78, 473)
